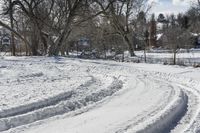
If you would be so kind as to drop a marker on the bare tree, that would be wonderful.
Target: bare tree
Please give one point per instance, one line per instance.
(122, 15)
(12, 26)
(142, 33)
(32, 11)
(46, 25)
(15, 32)
(70, 14)
(177, 35)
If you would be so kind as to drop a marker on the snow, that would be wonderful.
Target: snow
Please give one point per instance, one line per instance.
(32, 81)
(57, 94)
(170, 55)
(159, 36)
(183, 57)
(112, 114)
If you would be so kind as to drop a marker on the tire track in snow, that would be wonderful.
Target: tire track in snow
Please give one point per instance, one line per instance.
(42, 103)
(190, 122)
(186, 123)
(168, 118)
(158, 123)
(151, 83)
(146, 87)
(179, 109)
(60, 108)
(24, 110)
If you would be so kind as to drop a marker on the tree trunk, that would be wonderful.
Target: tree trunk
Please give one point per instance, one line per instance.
(174, 59)
(62, 50)
(123, 56)
(13, 45)
(12, 26)
(67, 51)
(56, 47)
(35, 37)
(145, 56)
(130, 45)
(45, 45)
(34, 47)
(104, 50)
(34, 42)
(26, 46)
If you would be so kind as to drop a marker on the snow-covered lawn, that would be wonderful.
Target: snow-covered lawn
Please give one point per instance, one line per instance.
(48, 95)
(191, 58)
(186, 55)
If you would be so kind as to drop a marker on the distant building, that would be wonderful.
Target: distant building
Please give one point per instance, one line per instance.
(198, 42)
(189, 40)
(197, 39)
(5, 40)
(84, 44)
(162, 41)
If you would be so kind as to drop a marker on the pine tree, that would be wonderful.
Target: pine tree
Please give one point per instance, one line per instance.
(185, 23)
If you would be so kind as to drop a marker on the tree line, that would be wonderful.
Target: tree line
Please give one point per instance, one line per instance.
(53, 27)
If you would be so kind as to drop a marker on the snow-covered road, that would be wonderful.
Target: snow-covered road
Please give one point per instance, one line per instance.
(48, 95)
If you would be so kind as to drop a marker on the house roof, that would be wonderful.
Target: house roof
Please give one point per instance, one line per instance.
(159, 36)
(195, 34)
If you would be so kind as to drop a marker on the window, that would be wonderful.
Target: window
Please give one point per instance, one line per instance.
(6, 40)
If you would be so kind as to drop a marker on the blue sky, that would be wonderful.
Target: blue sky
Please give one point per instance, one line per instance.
(171, 6)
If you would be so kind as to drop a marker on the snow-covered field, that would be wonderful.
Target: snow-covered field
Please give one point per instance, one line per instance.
(183, 57)
(61, 95)
(169, 55)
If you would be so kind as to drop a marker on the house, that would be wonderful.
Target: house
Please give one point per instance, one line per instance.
(188, 40)
(198, 42)
(162, 41)
(5, 40)
(196, 37)
(84, 44)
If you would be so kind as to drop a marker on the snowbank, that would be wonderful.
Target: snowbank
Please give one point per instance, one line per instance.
(168, 119)
(52, 108)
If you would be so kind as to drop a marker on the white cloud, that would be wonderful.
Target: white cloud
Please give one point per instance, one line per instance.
(171, 6)
(156, 1)
(183, 2)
